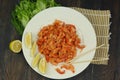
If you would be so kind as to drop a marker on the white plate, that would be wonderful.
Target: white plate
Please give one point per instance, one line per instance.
(68, 15)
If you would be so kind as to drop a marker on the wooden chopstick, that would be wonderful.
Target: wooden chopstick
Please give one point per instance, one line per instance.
(102, 59)
(86, 53)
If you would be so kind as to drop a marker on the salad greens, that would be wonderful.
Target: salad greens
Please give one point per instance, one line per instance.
(26, 9)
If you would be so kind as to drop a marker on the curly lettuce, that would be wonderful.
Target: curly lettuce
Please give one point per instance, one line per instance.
(26, 9)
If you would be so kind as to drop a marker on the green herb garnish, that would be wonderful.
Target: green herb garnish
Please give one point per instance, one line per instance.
(26, 9)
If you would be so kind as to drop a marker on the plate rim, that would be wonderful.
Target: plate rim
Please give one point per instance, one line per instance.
(52, 8)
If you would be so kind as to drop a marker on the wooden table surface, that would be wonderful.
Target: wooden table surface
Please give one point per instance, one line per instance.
(15, 67)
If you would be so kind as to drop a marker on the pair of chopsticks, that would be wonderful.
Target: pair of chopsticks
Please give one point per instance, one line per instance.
(98, 59)
(101, 59)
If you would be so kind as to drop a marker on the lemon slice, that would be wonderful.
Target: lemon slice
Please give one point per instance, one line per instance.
(36, 60)
(15, 46)
(42, 65)
(28, 40)
(33, 49)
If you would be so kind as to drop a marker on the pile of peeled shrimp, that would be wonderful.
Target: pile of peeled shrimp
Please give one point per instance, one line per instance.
(58, 42)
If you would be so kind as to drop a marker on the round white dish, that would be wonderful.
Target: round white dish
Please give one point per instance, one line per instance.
(68, 15)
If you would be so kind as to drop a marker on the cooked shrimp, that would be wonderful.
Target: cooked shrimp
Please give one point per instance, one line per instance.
(60, 71)
(68, 67)
(58, 42)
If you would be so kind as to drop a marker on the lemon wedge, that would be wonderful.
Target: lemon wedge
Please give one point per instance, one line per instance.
(42, 65)
(33, 49)
(36, 60)
(15, 46)
(28, 40)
